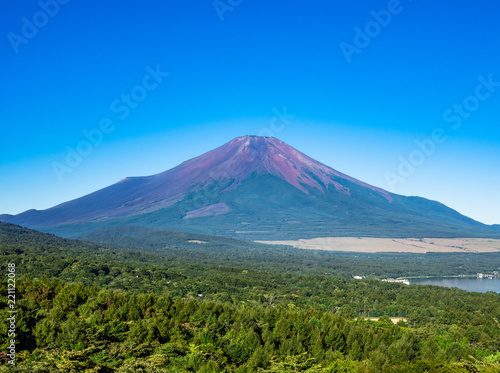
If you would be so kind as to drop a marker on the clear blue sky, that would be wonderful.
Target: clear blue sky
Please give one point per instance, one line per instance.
(356, 102)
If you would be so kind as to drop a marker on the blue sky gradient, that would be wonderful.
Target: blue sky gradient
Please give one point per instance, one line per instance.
(251, 67)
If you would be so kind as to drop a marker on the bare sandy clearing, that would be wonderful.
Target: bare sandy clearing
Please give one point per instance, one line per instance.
(394, 320)
(407, 245)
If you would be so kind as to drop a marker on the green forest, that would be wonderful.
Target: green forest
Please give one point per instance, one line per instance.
(173, 305)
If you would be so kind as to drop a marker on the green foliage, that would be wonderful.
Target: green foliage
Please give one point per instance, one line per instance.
(92, 308)
(126, 332)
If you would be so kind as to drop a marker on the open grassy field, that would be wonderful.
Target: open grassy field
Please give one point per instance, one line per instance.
(408, 245)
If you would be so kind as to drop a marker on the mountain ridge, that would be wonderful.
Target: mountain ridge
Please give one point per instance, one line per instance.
(254, 187)
(231, 162)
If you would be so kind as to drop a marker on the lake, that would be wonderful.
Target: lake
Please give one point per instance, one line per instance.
(481, 285)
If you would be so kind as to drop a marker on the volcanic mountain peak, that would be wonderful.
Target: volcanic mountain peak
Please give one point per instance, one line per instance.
(245, 155)
(228, 165)
(254, 187)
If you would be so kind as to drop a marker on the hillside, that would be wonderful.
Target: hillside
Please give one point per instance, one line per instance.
(255, 188)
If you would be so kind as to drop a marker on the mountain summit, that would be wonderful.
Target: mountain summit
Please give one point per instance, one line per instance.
(259, 188)
(244, 156)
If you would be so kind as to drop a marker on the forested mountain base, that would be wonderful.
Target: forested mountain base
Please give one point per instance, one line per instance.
(74, 328)
(89, 308)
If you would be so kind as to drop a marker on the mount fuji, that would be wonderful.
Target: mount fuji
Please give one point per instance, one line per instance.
(254, 188)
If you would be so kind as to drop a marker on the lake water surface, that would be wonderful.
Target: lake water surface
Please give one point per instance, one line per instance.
(481, 285)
